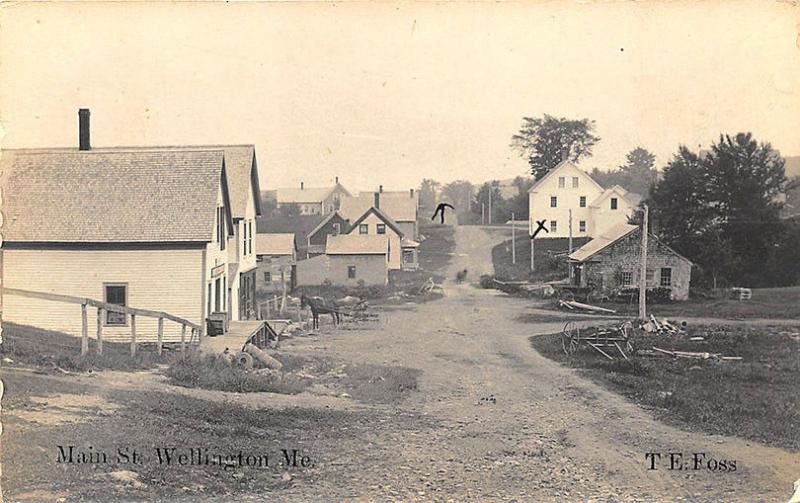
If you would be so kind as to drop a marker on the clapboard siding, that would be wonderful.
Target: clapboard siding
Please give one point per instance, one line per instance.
(168, 280)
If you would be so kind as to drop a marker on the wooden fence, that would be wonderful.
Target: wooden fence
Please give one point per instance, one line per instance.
(85, 303)
(275, 306)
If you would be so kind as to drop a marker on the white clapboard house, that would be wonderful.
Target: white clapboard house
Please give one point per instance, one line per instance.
(567, 188)
(168, 229)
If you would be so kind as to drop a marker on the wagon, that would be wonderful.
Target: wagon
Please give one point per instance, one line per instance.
(603, 340)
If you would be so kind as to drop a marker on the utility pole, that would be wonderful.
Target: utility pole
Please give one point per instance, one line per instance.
(513, 240)
(530, 235)
(643, 268)
(483, 213)
(490, 204)
(570, 246)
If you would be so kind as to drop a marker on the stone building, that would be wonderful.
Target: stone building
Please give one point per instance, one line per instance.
(611, 262)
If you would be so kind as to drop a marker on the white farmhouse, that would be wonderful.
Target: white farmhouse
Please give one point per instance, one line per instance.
(594, 209)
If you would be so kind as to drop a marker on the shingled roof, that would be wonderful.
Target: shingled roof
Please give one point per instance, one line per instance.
(111, 195)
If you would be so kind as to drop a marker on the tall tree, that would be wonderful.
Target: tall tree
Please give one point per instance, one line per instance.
(721, 211)
(459, 193)
(637, 175)
(546, 141)
(428, 190)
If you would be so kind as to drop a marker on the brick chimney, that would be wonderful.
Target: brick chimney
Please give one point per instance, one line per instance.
(380, 188)
(83, 129)
(411, 193)
(377, 202)
(337, 180)
(301, 185)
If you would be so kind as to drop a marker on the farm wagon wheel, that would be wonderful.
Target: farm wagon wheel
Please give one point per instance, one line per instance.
(570, 337)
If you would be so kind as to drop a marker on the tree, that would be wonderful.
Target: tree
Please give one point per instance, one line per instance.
(721, 211)
(459, 194)
(428, 191)
(501, 211)
(637, 175)
(548, 140)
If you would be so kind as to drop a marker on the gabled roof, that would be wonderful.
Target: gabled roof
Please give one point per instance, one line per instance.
(357, 244)
(240, 161)
(294, 195)
(111, 195)
(400, 206)
(599, 243)
(299, 225)
(324, 222)
(275, 244)
(560, 166)
(610, 237)
(382, 216)
(618, 190)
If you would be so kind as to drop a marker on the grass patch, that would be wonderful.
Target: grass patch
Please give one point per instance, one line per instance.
(50, 350)
(757, 398)
(778, 303)
(548, 267)
(377, 384)
(196, 370)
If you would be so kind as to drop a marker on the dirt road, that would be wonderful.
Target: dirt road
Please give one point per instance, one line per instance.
(549, 434)
(492, 420)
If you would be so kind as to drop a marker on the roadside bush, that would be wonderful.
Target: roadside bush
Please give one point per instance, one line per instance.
(204, 371)
(658, 295)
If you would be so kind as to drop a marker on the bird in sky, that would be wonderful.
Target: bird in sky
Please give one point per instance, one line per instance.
(540, 228)
(440, 210)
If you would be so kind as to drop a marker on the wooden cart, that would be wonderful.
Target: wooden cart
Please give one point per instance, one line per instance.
(603, 340)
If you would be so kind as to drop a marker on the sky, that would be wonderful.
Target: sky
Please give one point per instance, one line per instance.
(390, 93)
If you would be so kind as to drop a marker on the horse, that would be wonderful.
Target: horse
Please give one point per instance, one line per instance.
(319, 306)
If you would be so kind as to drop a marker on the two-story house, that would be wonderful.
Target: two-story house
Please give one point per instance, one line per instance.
(157, 228)
(311, 200)
(567, 188)
(401, 206)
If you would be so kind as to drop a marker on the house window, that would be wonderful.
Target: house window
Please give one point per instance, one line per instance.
(408, 256)
(337, 228)
(650, 276)
(267, 276)
(553, 201)
(583, 202)
(582, 226)
(244, 238)
(363, 229)
(116, 293)
(381, 228)
(574, 182)
(224, 290)
(351, 272)
(561, 183)
(221, 227)
(553, 226)
(666, 276)
(627, 278)
(250, 237)
(208, 301)
(613, 203)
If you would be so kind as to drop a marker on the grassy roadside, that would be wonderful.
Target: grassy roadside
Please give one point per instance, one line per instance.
(778, 303)
(757, 398)
(55, 350)
(144, 420)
